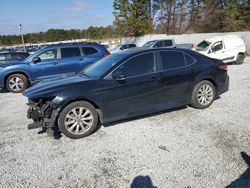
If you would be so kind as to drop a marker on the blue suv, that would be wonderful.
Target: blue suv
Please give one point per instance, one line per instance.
(47, 63)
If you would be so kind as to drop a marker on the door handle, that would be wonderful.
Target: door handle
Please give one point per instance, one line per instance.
(55, 63)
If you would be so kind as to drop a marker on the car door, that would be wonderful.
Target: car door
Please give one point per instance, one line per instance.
(48, 66)
(136, 93)
(177, 75)
(70, 60)
(218, 51)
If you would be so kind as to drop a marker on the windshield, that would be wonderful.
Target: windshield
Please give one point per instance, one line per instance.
(103, 65)
(31, 57)
(148, 44)
(202, 46)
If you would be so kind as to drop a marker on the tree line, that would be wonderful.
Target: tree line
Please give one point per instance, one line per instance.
(139, 17)
(53, 35)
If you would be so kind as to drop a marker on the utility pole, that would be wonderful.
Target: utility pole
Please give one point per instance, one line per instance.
(20, 27)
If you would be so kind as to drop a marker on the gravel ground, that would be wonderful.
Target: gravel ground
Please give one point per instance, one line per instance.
(184, 147)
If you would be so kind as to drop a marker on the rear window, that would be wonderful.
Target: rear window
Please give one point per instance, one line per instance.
(70, 52)
(189, 59)
(89, 50)
(172, 59)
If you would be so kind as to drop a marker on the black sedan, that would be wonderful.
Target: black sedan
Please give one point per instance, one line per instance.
(124, 85)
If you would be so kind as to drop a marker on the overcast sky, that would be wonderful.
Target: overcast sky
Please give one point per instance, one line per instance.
(41, 15)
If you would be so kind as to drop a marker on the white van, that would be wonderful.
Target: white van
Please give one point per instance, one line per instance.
(228, 48)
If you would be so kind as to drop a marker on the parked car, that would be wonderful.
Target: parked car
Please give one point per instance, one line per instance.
(48, 63)
(121, 47)
(228, 48)
(9, 57)
(169, 43)
(189, 46)
(124, 85)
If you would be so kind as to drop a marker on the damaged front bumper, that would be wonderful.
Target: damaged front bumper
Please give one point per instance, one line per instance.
(42, 113)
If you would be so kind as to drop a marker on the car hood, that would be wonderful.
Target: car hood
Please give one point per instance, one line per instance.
(50, 86)
(8, 63)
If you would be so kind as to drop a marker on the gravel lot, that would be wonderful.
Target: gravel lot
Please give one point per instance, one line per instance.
(184, 147)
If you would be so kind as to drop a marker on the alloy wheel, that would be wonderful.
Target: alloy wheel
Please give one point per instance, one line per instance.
(79, 120)
(205, 94)
(16, 83)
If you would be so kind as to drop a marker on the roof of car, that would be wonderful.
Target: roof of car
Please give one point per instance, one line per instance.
(74, 44)
(138, 50)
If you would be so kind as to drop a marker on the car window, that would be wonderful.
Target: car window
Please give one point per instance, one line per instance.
(172, 59)
(168, 43)
(159, 44)
(202, 46)
(217, 46)
(3, 57)
(48, 54)
(148, 44)
(138, 65)
(189, 59)
(89, 50)
(132, 45)
(70, 52)
(22, 55)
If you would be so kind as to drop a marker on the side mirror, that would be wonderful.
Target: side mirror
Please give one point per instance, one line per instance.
(118, 75)
(36, 60)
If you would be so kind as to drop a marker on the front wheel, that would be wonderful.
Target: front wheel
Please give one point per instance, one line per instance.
(17, 83)
(203, 95)
(78, 119)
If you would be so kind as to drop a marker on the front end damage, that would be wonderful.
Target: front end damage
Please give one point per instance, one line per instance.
(42, 113)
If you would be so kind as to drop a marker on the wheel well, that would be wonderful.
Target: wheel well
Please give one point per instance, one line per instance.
(213, 82)
(6, 77)
(241, 53)
(98, 109)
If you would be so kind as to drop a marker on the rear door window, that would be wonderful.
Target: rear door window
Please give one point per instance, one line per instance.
(70, 52)
(172, 59)
(89, 50)
(138, 65)
(168, 43)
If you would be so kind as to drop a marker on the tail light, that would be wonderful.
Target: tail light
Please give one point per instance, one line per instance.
(106, 54)
(223, 66)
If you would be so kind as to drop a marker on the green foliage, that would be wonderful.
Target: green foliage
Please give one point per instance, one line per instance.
(132, 17)
(139, 17)
(53, 35)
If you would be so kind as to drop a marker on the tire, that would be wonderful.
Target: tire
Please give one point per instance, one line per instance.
(240, 59)
(17, 83)
(78, 120)
(203, 95)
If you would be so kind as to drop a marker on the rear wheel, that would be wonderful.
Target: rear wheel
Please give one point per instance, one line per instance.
(240, 59)
(78, 119)
(203, 95)
(17, 83)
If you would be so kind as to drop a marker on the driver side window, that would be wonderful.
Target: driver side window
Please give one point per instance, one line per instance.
(217, 46)
(48, 55)
(138, 65)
